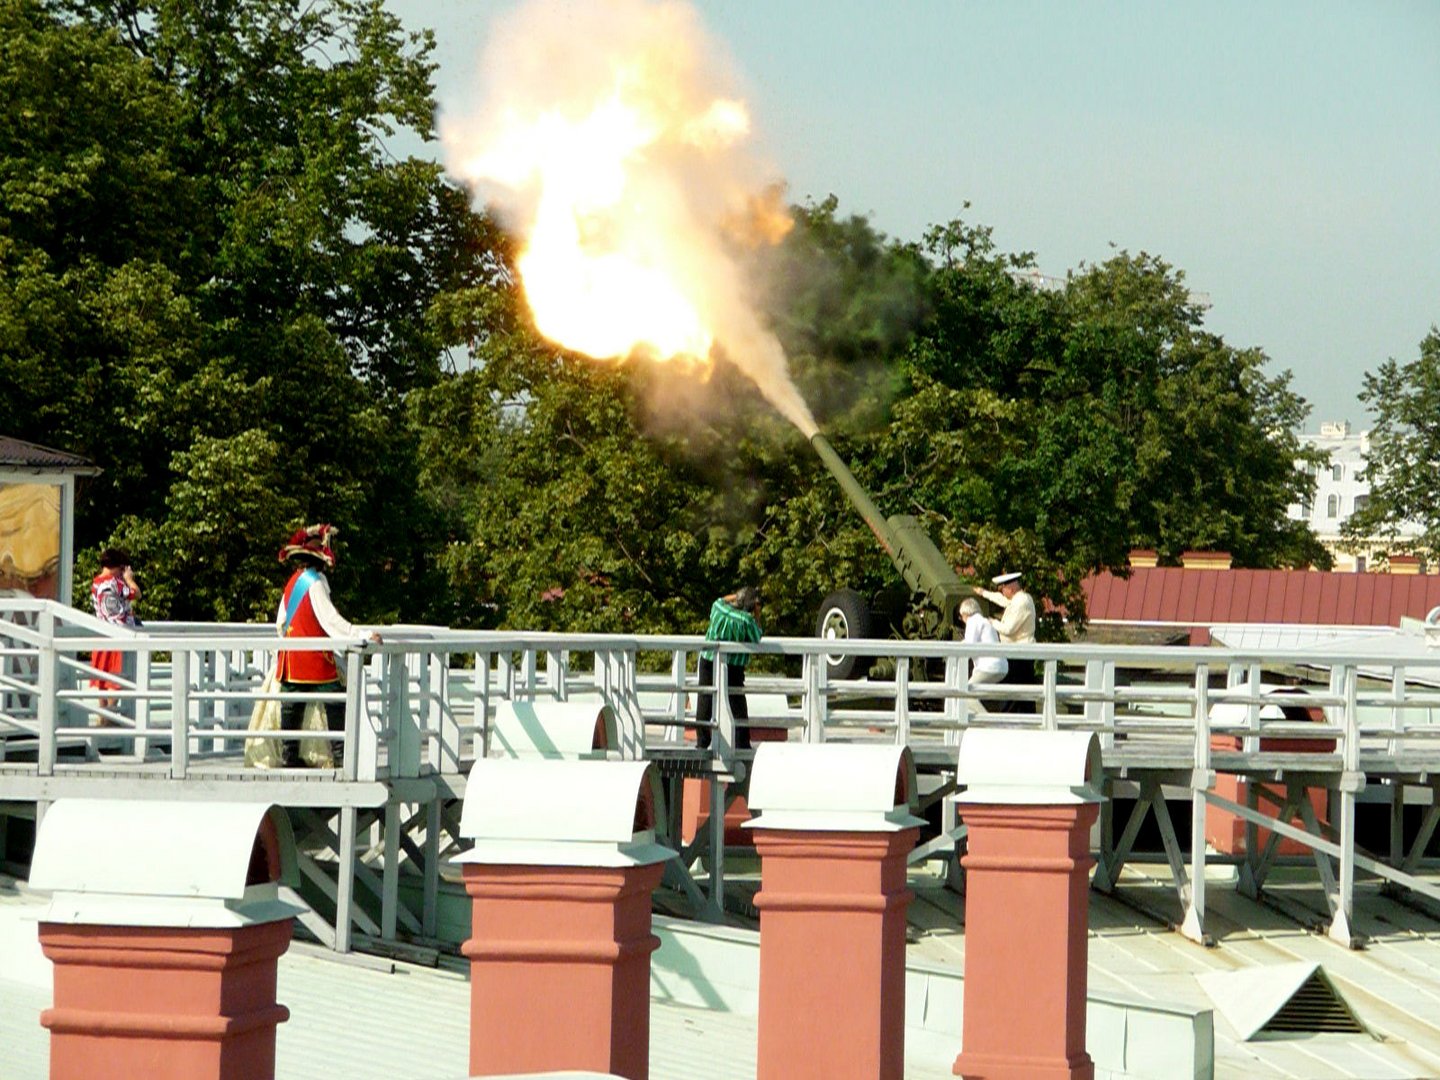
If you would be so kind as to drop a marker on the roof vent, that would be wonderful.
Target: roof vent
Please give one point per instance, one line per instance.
(1315, 1007)
(1281, 1001)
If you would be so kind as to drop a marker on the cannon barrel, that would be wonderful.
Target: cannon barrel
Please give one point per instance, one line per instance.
(855, 493)
(926, 571)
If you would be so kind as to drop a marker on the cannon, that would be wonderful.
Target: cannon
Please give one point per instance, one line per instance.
(935, 589)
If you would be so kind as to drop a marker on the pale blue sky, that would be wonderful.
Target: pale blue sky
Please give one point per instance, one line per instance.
(1286, 156)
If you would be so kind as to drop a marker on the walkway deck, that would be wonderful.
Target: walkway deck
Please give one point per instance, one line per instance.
(1171, 722)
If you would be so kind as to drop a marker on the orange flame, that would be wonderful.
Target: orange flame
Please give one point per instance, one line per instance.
(608, 138)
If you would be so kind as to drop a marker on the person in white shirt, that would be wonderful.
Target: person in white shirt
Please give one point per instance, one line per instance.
(981, 631)
(1016, 626)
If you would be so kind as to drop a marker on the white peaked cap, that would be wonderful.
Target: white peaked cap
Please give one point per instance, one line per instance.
(1001, 579)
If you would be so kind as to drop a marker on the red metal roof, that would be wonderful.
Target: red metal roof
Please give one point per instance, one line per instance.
(1172, 594)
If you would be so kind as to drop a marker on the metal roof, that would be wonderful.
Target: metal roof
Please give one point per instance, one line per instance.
(1169, 594)
(17, 453)
(368, 1018)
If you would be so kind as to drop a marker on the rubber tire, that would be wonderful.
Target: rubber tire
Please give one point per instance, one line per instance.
(845, 614)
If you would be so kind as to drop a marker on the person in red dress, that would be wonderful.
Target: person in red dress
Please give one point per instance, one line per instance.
(113, 593)
(306, 610)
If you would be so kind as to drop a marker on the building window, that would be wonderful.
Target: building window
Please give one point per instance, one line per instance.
(1360, 564)
(1332, 506)
(1337, 472)
(1307, 506)
(1361, 501)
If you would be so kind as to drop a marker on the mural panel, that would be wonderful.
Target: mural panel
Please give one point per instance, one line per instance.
(30, 539)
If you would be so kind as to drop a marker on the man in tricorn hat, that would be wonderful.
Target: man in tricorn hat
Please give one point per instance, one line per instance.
(307, 611)
(1016, 626)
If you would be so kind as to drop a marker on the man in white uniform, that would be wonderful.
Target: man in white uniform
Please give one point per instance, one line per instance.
(1016, 626)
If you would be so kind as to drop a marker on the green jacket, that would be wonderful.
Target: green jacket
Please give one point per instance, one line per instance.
(729, 623)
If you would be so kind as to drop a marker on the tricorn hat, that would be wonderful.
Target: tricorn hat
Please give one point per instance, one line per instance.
(1002, 579)
(313, 540)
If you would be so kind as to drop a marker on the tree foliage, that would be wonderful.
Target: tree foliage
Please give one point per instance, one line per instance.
(1054, 430)
(1404, 449)
(218, 284)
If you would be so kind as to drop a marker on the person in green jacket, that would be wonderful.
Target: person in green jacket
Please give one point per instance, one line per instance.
(735, 617)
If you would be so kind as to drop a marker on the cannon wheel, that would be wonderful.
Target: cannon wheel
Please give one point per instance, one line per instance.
(845, 614)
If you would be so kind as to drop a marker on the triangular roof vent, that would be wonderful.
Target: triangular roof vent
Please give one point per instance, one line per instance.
(1280, 1001)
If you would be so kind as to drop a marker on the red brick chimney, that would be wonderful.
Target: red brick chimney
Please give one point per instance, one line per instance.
(165, 929)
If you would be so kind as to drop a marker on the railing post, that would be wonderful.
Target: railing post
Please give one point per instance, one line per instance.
(529, 671)
(618, 665)
(1352, 782)
(815, 703)
(675, 731)
(902, 701)
(1050, 709)
(957, 709)
(723, 738)
(506, 670)
(1201, 780)
(47, 704)
(143, 666)
(361, 739)
(1251, 743)
(445, 750)
(557, 673)
(1397, 712)
(1100, 679)
(179, 713)
(480, 695)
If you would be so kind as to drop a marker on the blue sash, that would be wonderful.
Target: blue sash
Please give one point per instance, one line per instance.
(307, 578)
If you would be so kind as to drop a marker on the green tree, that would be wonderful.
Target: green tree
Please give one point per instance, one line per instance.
(563, 514)
(1215, 448)
(1055, 429)
(216, 279)
(1401, 465)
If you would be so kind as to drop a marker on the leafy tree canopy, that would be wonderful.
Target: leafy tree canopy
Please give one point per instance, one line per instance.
(1054, 430)
(218, 284)
(1404, 448)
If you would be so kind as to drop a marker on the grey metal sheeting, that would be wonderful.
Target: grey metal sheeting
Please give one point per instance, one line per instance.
(354, 1019)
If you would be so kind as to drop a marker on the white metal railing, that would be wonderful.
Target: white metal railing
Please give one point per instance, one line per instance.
(421, 701)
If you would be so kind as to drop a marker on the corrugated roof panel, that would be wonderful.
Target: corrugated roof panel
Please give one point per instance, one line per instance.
(1409, 597)
(1205, 597)
(1365, 596)
(1310, 598)
(1388, 599)
(1346, 603)
(1169, 595)
(1098, 590)
(1145, 587)
(1256, 586)
(1189, 593)
(1132, 597)
(1294, 593)
(27, 455)
(1400, 601)
(1329, 599)
(1220, 598)
(1421, 595)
